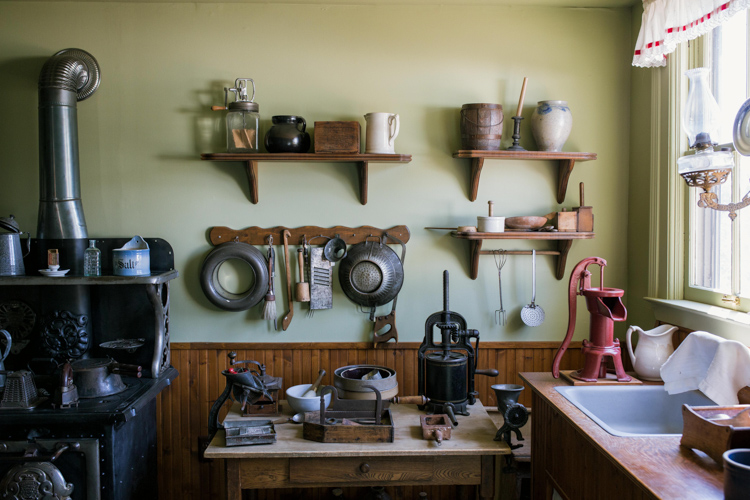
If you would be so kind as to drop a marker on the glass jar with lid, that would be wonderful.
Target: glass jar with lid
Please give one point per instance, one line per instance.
(243, 118)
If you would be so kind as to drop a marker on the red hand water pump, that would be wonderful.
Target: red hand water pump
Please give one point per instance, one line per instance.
(605, 307)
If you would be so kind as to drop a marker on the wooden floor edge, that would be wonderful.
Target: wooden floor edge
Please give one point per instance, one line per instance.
(354, 345)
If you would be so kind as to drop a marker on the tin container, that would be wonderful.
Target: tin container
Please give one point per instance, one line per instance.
(133, 259)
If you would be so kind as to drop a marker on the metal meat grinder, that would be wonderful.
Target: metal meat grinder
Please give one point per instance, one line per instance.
(515, 415)
(446, 369)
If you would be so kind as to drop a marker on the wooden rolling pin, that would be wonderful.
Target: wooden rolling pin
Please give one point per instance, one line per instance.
(411, 400)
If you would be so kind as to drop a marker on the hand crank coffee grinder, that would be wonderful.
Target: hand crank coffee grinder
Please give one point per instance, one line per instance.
(446, 369)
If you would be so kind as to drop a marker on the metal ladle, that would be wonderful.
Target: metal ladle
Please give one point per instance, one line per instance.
(532, 314)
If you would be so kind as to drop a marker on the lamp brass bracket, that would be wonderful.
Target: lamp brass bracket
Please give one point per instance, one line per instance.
(709, 200)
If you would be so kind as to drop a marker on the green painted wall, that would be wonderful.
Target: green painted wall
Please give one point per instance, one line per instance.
(164, 65)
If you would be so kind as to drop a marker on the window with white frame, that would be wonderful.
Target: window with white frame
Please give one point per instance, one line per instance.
(716, 271)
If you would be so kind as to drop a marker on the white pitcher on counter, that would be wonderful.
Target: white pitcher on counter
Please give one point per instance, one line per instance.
(653, 349)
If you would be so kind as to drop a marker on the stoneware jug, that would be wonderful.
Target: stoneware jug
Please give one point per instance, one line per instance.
(653, 349)
(4, 354)
(551, 123)
(382, 130)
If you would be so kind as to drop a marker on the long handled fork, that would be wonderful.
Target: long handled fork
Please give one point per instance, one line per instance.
(500, 259)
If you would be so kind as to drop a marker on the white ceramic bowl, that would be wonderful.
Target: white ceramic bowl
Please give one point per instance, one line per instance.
(302, 404)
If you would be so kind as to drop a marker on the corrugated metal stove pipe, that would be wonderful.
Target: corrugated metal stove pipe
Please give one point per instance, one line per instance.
(69, 76)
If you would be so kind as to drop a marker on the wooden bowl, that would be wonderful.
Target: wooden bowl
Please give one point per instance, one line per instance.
(525, 222)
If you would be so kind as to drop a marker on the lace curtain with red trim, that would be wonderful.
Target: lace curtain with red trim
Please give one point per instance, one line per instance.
(666, 23)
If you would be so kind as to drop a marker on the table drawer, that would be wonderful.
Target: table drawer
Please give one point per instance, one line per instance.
(405, 470)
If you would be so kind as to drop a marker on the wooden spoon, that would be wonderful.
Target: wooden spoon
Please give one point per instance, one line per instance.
(313, 390)
(290, 299)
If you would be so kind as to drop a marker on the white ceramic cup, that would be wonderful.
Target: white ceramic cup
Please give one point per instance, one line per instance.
(382, 130)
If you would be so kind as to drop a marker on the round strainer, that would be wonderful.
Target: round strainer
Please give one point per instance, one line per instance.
(532, 314)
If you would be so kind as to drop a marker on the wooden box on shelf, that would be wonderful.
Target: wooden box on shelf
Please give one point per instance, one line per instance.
(585, 222)
(337, 137)
(566, 222)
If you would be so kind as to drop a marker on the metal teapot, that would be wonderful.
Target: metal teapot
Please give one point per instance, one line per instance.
(11, 255)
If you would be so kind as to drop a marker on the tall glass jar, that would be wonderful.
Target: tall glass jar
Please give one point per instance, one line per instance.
(243, 118)
(242, 127)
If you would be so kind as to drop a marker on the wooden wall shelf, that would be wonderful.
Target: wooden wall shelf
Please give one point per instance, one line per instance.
(564, 242)
(361, 160)
(565, 161)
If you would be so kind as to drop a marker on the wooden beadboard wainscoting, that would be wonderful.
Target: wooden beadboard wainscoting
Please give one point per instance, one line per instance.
(182, 409)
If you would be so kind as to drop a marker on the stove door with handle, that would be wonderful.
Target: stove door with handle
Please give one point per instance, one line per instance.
(64, 469)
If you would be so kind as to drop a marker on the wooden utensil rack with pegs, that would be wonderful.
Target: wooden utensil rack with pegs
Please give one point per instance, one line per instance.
(305, 235)
(362, 161)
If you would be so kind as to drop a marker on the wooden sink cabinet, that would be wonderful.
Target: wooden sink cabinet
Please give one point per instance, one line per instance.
(581, 461)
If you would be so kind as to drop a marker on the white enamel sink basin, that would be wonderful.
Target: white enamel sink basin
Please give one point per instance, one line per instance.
(634, 410)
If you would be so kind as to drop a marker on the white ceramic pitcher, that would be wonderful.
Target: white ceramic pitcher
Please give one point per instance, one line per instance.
(653, 349)
(382, 130)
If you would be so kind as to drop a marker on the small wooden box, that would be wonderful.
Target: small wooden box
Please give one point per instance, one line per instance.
(566, 222)
(714, 430)
(337, 137)
(350, 431)
(585, 219)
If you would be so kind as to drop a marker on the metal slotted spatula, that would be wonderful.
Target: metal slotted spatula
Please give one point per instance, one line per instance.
(532, 314)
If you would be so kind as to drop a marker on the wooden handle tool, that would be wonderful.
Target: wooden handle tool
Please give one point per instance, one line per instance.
(302, 289)
(520, 99)
(290, 299)
(313, 390)
(411, 400)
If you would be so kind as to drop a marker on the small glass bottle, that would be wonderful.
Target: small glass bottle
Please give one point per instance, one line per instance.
(92, 260)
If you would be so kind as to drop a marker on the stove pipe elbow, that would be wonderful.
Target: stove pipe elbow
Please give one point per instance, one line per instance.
(69, 76)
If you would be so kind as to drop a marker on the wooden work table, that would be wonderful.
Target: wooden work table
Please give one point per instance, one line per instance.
(467, 458)
(579, 459)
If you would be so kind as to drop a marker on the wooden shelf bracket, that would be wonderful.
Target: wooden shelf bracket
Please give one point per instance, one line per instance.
(564, 169)
(476, 171)
(251, 168)
(565, 162)
(362, 162)
(363, 172)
